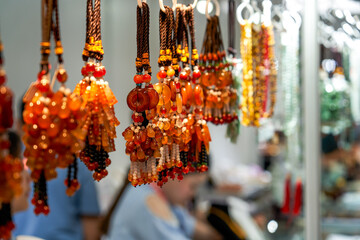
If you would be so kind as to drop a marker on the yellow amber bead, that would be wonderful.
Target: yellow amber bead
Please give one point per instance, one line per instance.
(164, 93)
(166, 126)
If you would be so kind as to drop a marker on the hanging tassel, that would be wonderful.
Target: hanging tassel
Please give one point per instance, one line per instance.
(297, 198)
(286, 204)
(6, 223)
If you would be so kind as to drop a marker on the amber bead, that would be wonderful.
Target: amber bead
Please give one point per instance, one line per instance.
(62, 75)
(64, 111)
(198, 95)
(38, 107)
(173, 90)
(138, 100)
(44, 121)
(75, 102)
(164, 93)
(153, 96)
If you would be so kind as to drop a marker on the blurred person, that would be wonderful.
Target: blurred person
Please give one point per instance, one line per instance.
(150, 212)
(70, 218)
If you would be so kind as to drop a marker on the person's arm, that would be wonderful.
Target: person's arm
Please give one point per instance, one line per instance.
(90, 227)
(195, 228)
(204, 231)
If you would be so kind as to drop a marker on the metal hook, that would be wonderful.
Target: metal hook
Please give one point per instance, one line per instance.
(140, 3)
(161, 3)
(244, 5)
(217, 5)
(194, 4)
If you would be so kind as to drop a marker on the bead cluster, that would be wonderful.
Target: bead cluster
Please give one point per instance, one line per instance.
(169, 142)
(98, 124)
(220, 95)
(259, 73)
(51, 118)
(10, 166)
(51, 121)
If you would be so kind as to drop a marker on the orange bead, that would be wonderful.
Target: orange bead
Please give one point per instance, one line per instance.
(44, 121)
(140, 154)
(184, 95)
(199, 95)
(29, 117)
(53, 129)
(205, 79)
(64, 111)
(54, 108)
(75, 103)
(213, 79)
(173, 90)
(179, 103)
(189, 91)
(164, 93)
(38, 107)
(128, 134)
(150, 132)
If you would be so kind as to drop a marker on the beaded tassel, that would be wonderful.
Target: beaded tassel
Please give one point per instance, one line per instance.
(142, 137)
(98, 126)
(51, 118)
(220, 96)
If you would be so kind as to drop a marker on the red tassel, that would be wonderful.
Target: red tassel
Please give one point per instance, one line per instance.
(298, 198)
(286, 204)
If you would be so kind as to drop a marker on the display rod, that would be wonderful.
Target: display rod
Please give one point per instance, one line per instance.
(311, 119)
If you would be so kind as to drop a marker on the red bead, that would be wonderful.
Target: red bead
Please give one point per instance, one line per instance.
(107, 162)
(103, 70)
(177, 85)
(147, 78)
(84, 72)
(43, 85)
(196, 74)
(98, 73)
(41, 74)
(138, 79)
(104, 172)
(90, 67)
(162, 74)
(75, 184)
(46, 210)
(163, 110)
(173, 108)
(183, 76)
(37, 211)
(62, 76)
